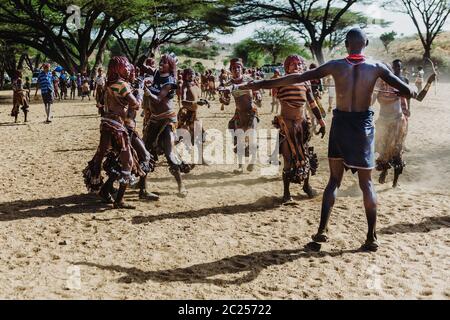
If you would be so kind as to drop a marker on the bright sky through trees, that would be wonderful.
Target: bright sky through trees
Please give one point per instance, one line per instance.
(401, 23)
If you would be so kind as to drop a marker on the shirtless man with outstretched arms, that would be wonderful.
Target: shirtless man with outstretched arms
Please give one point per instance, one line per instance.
(351, 144)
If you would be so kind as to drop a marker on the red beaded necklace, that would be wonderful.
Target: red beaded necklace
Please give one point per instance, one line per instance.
(359, 58)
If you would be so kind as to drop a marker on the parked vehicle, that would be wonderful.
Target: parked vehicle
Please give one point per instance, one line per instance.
(34, 77)
(6, 78)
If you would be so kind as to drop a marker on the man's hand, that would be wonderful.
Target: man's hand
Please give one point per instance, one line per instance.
(203, 102)
(148, 83)
(322, 129)
(224, 90)
(422, 94)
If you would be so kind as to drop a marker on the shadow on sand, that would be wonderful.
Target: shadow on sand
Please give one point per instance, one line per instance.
(251, 264)
(263, 204)
(218, 176)
(94, 115)
(75, 150)
(51, 207)
(12, 124)
(429, 224)
(225, 183)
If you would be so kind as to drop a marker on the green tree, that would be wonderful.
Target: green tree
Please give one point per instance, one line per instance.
(387, 38)
(429, 18)
(172, 22)
(191, 52)
(267, 46)
(316, 19)
(277, 43)
(45, 26)
(250, 53)
(199, 67)
(15, 56)
(349, 19)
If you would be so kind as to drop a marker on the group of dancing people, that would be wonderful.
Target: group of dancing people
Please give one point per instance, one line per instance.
(128, 157)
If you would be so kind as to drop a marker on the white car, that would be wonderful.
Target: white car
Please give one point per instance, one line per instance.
(6, 78)
(35, 76)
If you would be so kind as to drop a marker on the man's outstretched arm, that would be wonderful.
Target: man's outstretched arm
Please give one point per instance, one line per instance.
(390, 78)
(318, 73)
(422, 94)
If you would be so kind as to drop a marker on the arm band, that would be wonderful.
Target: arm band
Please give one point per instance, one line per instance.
(316, 112)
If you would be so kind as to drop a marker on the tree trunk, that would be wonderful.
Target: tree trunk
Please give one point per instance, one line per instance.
(10, 65)
(152, 47)
(37, 61)
(317, 50)
(426, 60)
(2, 78)
(427, 53)
(98, 61)
(29, 63)
(313, 55)
(21, 61)
(82, 67)
(137, 50)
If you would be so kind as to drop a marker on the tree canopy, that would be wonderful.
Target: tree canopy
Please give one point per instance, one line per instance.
(314, 20)
(46, 26)
(387, 38)
(179, 23)
(429, 18)
(268, 46)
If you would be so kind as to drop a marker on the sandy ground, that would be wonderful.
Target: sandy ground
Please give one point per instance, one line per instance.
(230, 239)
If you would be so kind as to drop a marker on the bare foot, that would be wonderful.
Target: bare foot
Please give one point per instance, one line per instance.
(310, 192)
(238, 171)
(182, 193)
(287, 199)
(320, 237)
(148, 196)
(123, 205)
(382, 179)
(370, 245)
(106, 197)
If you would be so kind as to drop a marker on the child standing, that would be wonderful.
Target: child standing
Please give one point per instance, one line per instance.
(85, 90)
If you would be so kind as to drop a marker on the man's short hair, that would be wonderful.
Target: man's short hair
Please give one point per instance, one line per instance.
(356, 35)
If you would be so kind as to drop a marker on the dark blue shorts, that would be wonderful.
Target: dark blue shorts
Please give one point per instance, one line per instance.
(47, 97)
(352, 139)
